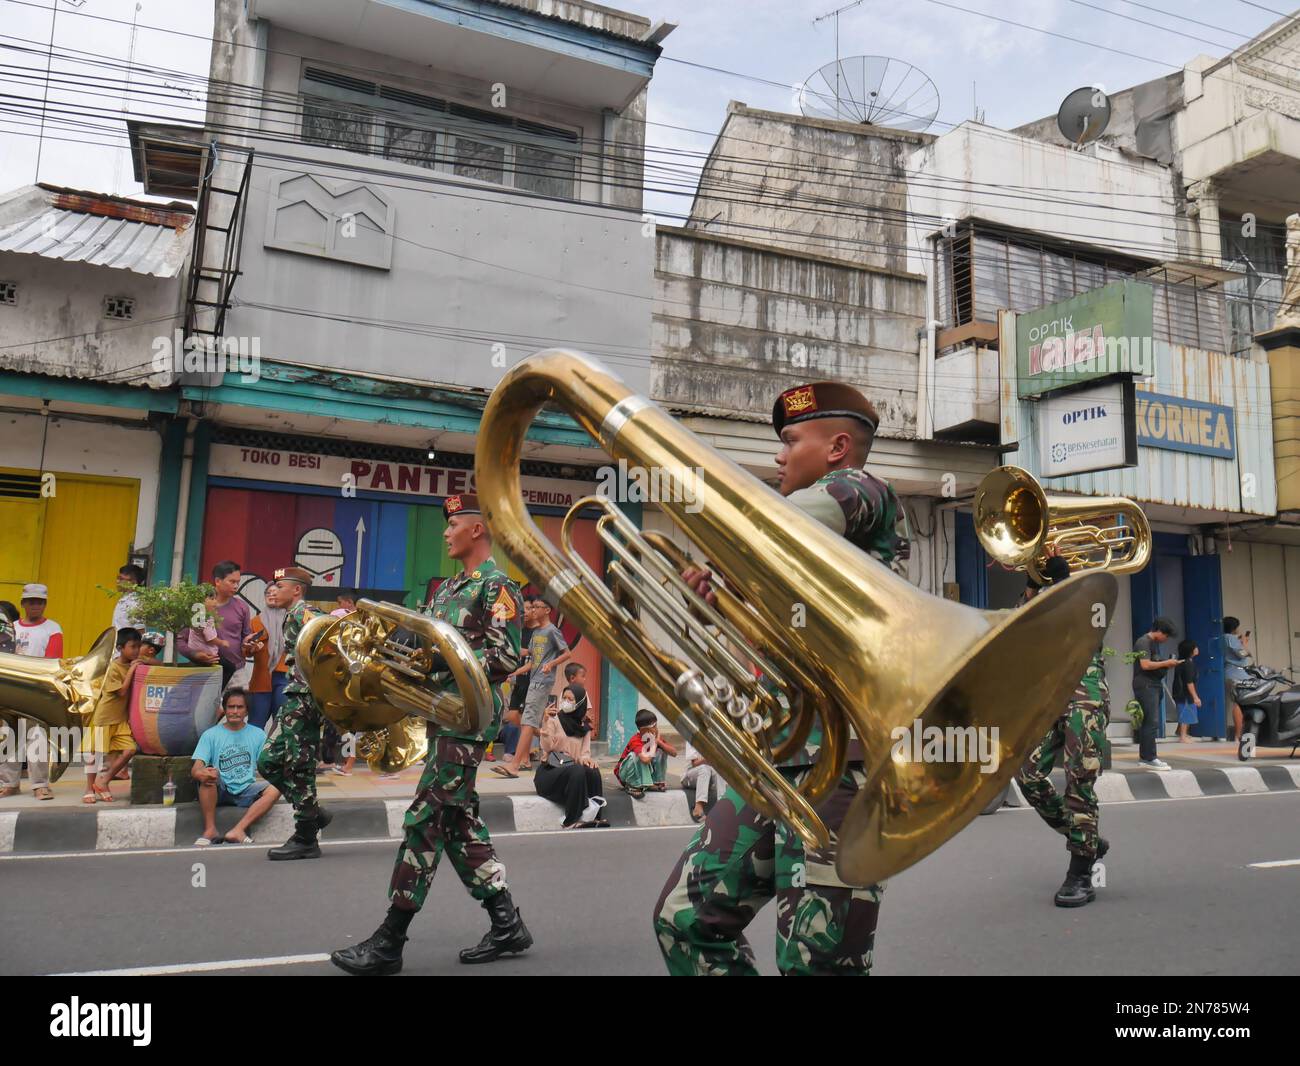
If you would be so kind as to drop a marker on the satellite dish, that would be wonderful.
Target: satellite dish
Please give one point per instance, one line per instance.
(1084, 115)
(873, 90)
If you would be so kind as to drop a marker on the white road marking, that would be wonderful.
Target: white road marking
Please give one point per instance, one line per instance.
(1274, 865)
(200, 967)
(259, 849)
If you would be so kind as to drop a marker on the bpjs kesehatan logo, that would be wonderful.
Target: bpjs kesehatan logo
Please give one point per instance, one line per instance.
(920, 743)
(120, 1020)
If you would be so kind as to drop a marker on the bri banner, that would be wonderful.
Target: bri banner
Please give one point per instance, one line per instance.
(171, 706)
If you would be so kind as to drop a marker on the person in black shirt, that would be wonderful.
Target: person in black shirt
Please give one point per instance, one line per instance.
(1186, 697)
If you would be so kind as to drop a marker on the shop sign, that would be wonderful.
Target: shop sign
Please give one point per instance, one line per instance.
(1180, 425)
(1087, 429)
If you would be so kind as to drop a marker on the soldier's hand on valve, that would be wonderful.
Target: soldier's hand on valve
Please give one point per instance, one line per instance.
(701, 582)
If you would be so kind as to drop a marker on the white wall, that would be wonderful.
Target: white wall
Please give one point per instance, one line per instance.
(980, 171)
(76, 446)
(1260, 586)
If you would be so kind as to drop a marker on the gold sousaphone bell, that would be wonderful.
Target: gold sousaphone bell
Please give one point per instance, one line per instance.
(58, 693)
(1020, 525)
(369, 681)
(810, 631)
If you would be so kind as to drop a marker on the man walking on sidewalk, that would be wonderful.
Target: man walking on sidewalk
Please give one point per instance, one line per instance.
(1148, 686)
(486, 606)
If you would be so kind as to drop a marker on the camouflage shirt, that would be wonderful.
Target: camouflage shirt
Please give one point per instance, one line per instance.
(294, 619)
(8, 640)
(488, 608)
(865, 511)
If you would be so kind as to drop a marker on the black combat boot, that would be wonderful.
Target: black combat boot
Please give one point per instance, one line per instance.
(1077, 890)
(302, 845)
(507, 936)
(381, 954)
(1103, 846)
(323, 818)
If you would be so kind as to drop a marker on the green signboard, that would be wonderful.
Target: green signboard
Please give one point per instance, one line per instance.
(1100, 333)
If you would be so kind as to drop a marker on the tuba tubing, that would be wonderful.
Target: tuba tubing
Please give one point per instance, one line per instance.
(887, 654)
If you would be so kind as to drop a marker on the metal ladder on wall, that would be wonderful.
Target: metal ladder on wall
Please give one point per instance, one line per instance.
(215, 264)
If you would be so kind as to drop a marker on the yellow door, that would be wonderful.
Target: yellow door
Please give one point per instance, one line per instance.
(22, 518)
(89, 528)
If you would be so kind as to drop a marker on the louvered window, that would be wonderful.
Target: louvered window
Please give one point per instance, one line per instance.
(408, 127)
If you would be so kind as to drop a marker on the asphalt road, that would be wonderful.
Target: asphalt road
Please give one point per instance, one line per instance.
(1181, 898)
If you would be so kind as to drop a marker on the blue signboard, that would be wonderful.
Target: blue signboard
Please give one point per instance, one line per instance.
(1180, 425)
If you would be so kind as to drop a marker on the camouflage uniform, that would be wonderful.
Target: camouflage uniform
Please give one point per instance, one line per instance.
(739, 859)
(289, 760)
(1081, 731)
(487, 607)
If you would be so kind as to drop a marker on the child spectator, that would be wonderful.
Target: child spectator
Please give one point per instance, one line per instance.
(201, 643)
(644, 762)
(110, 743)
(152, 644)
(1186, 697)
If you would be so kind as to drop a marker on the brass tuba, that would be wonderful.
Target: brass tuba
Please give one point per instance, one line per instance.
(369, 681)
(1018, 524)
(811, 631)
(58, 693)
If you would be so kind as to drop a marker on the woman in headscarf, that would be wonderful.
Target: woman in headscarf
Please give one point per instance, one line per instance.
(270, 675)
(568, 775)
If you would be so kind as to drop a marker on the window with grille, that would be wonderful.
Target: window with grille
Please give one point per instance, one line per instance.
(119, 307)
(981, 271)
(407, 127)
(8, 292)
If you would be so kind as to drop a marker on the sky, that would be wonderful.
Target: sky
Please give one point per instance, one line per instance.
(1014, 73)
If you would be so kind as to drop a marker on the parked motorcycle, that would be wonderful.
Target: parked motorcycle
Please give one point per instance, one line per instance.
(1270, 710)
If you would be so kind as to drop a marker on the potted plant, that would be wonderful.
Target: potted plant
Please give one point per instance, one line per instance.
(170, 608)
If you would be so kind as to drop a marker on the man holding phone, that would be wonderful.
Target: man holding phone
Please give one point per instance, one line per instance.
(1148, 671)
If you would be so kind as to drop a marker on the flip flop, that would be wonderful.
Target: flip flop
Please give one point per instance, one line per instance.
(205, 842)
(246, 840)
(503, 772)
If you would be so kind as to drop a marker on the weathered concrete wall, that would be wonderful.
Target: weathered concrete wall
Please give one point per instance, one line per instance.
(58, 326)
(1141, 120)
(735, 324)
(811, 185)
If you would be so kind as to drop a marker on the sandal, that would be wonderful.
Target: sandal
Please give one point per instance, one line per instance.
(89, 799)
(246, 839)
(205, 841)
(103, 795)
(502, 771)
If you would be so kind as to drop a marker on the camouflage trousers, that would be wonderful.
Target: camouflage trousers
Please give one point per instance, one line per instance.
(289, 760)
(444, 818)
(1081, 733)
(736, 862)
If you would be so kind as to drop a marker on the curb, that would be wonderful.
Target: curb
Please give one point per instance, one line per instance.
(1125, 786)
(37, 831)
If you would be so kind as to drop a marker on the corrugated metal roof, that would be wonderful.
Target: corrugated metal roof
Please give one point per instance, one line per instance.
(76, 237)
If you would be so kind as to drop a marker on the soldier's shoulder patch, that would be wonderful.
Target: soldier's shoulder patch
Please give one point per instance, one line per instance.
(476, 574)
(503, 608)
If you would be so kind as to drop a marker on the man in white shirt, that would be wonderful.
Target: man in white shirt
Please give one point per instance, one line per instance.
(41, 638)
(700, 775)
(124, 616)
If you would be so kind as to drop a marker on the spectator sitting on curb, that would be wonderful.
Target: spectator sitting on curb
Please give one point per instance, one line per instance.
(644, 762)
(111, 743)
(568, 776)
(700, 776)
(224, 762)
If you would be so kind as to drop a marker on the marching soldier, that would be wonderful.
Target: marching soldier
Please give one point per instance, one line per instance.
(487, 607)
(739, 859)
(289, 760)
(1081, 733)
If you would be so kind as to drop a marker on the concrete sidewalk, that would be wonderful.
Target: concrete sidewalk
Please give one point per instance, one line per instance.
(366, 806)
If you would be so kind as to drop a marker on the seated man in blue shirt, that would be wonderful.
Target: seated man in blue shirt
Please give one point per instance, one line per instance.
(224, 762)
